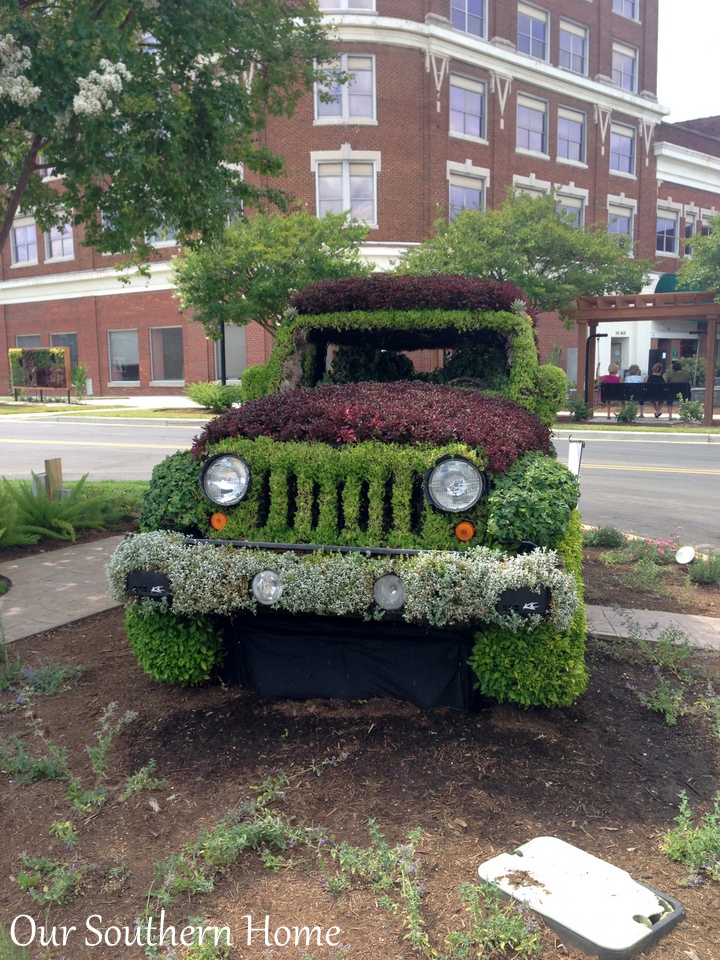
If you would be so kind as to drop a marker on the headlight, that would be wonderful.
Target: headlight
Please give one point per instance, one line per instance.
(266, 587)
(389, 592)
(454, 485)
(225, 479)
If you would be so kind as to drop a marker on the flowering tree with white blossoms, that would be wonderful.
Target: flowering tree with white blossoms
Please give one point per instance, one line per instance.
(128, 116)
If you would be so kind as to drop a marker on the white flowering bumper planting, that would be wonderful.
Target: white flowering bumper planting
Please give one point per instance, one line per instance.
(442, 589)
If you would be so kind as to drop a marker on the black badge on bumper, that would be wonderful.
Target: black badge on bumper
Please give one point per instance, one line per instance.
(524, 602)
(148, 583)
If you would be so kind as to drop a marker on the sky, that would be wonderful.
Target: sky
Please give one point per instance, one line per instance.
(688, 75)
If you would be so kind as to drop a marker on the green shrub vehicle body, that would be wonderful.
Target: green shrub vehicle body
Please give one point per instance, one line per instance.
(341, 495)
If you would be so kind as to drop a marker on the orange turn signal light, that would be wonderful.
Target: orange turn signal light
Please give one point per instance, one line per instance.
(218, 521)
(464, 531)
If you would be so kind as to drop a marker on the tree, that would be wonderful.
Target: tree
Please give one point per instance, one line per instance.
(147, 109)
(251, 273)
(701, 271)
(529, 243)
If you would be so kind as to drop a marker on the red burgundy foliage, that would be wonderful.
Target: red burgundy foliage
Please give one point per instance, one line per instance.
(402, 412)
(384, 291)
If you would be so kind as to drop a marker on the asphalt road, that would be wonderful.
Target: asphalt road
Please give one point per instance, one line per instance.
(649, 487)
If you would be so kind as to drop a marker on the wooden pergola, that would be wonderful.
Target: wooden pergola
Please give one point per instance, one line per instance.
(686, 305)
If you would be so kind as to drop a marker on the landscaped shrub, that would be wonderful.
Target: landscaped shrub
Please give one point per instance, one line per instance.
(10, 533)
(174, 500)
(705, 570)
(579, 411)
(627, 413)
(403, 413)
(41, 515)
(214, 396)
(385, 291)
(689, 410)
(542, 666)
(173, 649)
(533, 501)
(549, 393)
(609, 537)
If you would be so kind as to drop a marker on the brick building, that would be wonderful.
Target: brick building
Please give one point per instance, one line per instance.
(452, 102)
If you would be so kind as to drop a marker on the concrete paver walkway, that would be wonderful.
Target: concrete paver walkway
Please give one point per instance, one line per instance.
(55, 588)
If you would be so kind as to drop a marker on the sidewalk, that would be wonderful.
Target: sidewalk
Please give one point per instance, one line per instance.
(55, 588)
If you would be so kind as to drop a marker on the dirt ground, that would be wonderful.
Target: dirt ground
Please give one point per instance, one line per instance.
(604, 775)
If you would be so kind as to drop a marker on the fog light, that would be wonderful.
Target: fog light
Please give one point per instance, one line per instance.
(218, 521)
(266, 587)
(464, 531)
(389, 592)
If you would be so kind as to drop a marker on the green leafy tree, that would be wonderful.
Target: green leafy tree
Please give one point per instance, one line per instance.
(147, 109)
(529, 243)
(702, 270)
(260, 262)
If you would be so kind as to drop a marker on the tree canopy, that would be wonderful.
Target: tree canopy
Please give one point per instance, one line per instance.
(147, 109)
(259, 263)
(529, 243)
(701, 271)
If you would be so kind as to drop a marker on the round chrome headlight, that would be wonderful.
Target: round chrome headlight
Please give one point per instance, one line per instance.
(454, 485)
(266, 587)
(225, 479)
(389, 592)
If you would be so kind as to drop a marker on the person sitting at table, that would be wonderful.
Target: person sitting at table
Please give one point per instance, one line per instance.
(611, 377)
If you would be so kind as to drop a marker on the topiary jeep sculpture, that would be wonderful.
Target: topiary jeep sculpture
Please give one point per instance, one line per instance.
(361, 528)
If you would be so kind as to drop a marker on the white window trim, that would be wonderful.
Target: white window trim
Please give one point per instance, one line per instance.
(675, 212)
(345, 117)
(18, 264)
(621, 202)
(65, 256)
(626, 50)
(568, 113)
(529, 101)
(479, 86)
(486, 17)
(580, 30)
(625, 16)
(537, 13)
(346, 152)
(341, 6)
(121, 383)
(531, 184)
(468, 171)
(568, 191)
(633, 132)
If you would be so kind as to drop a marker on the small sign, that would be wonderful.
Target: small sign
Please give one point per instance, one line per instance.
(676, 354)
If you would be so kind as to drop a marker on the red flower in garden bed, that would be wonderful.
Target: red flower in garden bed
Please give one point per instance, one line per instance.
(402, 412)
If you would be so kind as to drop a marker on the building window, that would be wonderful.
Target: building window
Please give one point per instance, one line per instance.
(468, 16)
(467, 107)
(68, 340)
(573, 47)
(354, 100)
(531, 133)
(628, 8)
(666, 233)
(163, 235)
(166, 353)
(347, 5)
(124, 356)
(23, 241)
(620, 221)
(573, 208)
(347, 185)
(571, 135)
(532, 32)
(466, 193)
(28, 341)
(59, 243)
(622, 149)
(624, 67)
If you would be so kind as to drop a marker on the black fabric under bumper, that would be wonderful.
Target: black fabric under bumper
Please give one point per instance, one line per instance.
(300, 658)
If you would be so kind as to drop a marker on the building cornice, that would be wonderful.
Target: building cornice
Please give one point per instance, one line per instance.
(84, 283)
(691, 168)
(435, 39)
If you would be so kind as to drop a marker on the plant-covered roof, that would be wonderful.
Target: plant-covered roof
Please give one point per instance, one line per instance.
(382, 291)
(403, 412)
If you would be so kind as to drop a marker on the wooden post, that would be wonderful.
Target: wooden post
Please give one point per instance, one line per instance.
(53, 478)
(710, 370)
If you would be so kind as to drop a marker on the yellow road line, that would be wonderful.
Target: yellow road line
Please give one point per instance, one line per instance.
(96, 443)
